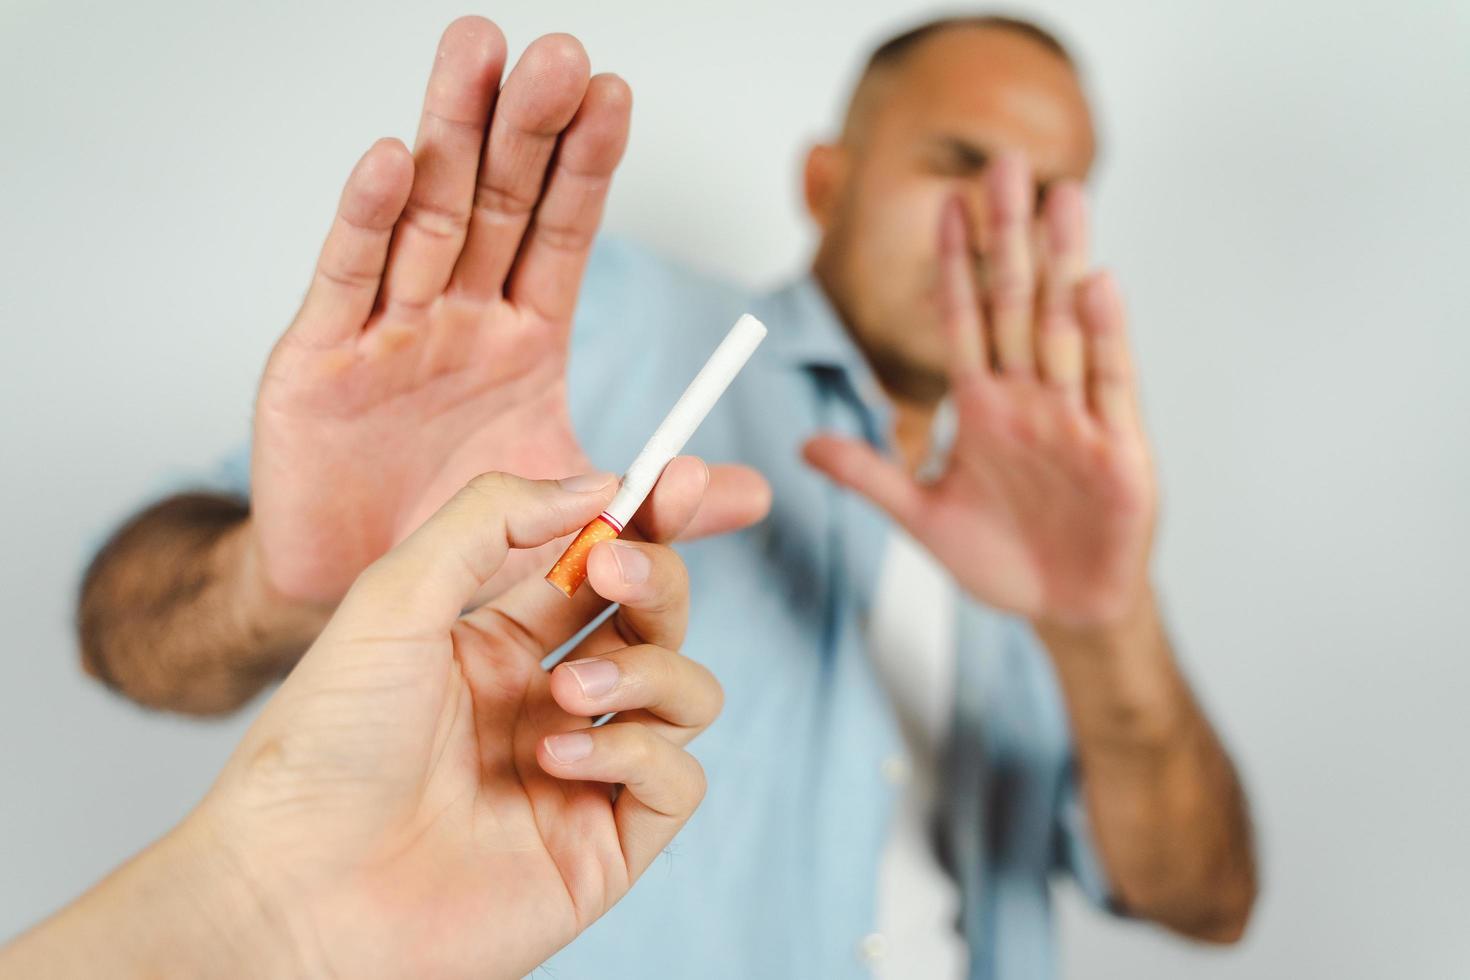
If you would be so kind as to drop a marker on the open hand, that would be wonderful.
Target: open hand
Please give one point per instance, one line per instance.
(1047, 505)
(432, 344)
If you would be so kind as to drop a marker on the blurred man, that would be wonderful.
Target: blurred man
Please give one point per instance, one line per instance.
(945, 668)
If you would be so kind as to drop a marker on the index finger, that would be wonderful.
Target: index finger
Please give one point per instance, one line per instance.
(426, 580)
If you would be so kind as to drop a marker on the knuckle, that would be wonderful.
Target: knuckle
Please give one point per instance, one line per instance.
(494, 488)
(570, 238)
(512, 202)
(658, 669)
(706, 687)
(717, 695)
(436, 221)
(698, 782)
(492, 482)
(640, 750)
(676, 574)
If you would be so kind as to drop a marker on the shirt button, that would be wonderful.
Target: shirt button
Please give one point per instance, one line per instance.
(872, 947)
(895, 770)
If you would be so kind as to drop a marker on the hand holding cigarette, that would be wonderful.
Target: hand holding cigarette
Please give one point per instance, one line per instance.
(421, 798)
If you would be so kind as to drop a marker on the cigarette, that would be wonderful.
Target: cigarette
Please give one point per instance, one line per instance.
(570, 570)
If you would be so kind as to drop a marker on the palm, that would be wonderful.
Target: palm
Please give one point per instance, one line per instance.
(569, 831)
(426, 402)
(432, 343)
(1058, 513)
(515, 858)
(1047, 504)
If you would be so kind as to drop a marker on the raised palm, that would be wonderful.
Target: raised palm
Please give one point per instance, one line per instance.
(432, 344)
(1047, 504)
(1040, 512)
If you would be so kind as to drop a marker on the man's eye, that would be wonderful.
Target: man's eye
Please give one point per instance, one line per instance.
(960, 164)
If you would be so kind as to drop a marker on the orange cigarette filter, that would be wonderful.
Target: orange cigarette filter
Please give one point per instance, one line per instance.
(570, 570)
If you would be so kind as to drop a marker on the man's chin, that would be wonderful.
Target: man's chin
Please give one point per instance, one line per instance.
(908, 379)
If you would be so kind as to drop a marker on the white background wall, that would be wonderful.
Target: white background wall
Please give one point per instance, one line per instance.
(1284, 192)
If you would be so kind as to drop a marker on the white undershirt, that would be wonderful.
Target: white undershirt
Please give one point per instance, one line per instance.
(911, 637)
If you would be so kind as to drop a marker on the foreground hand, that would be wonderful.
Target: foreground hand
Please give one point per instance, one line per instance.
(421, 798)
(432, 344)
(1047, 505)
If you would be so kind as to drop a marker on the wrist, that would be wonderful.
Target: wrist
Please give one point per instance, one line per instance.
(219, 921)
(1120, 673)
(278, 627)
(1126, 626)
(179, 908)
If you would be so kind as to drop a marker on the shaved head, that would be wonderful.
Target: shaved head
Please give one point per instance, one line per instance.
(931, 108)
(887, 59)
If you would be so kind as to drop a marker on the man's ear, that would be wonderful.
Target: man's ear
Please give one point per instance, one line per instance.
(822, 180)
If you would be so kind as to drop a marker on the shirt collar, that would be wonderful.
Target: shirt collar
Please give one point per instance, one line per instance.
(806, 332)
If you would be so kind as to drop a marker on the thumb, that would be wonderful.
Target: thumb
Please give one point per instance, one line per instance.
(854, 464)
(432, 575)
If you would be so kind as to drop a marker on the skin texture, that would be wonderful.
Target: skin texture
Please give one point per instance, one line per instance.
(955, 282)
(431, 346)
(420, 797)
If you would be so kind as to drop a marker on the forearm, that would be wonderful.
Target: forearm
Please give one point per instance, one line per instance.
(175, 614)
(1165, 805)
(177, 909)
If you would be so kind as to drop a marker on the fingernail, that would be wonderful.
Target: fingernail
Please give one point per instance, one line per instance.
(595, 677)
(633, 564)
(571, 747)
(586, 482)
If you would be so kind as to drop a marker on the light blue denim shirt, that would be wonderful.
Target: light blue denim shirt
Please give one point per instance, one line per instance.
(776, 874)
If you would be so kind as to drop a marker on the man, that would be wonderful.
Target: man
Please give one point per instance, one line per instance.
(933, 703)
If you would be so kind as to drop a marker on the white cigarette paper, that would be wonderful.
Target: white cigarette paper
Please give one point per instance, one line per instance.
(688, 412)
(667, 442)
